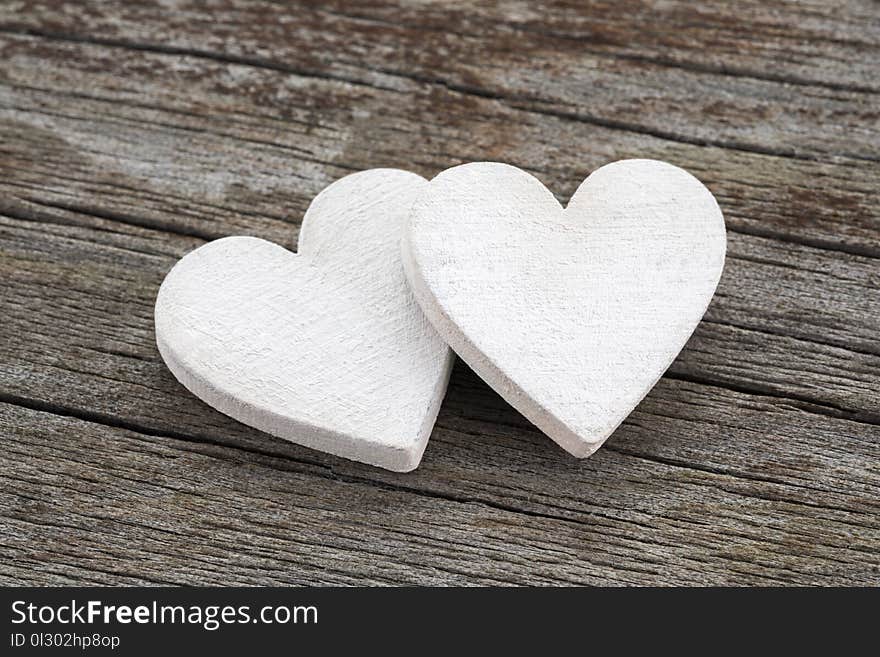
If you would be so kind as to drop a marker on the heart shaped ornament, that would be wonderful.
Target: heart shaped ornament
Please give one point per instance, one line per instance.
(570, 314)
(325, 347)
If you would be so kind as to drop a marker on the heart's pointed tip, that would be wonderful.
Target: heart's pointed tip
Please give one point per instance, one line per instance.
(407, 466)
(573, 441)
(586, 450)
(580, 448)
(404, 460)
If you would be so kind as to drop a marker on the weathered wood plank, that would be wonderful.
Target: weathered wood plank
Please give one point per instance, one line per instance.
(246, 146)
(749, 447)
(130, 135)
(806, 42)
(498, 52)
(85, 501)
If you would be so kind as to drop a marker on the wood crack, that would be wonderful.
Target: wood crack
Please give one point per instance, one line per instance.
(677, 463)
(118, 217)
(326, 471)
(849, 248)
(801, 402)
(665, 62)
(780, 334)
(163, 49)
(13, 214)
(523, 104)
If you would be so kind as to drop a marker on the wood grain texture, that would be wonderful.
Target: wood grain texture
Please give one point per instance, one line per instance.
(132, 133)
(571, 313)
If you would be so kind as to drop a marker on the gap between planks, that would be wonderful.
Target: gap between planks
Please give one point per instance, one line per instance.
(317, 468)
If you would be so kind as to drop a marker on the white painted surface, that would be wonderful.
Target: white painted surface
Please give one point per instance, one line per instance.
(571, 315)
(325, 348)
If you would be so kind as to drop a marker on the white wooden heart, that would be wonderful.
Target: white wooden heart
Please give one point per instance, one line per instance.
(326, 347)
(571, 315)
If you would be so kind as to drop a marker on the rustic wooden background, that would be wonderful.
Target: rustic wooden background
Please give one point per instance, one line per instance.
(132, 132)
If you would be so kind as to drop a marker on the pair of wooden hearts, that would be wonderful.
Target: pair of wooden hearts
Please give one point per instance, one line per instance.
(571, 315)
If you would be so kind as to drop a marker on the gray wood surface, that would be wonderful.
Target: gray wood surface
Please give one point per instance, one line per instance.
(131, 133)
